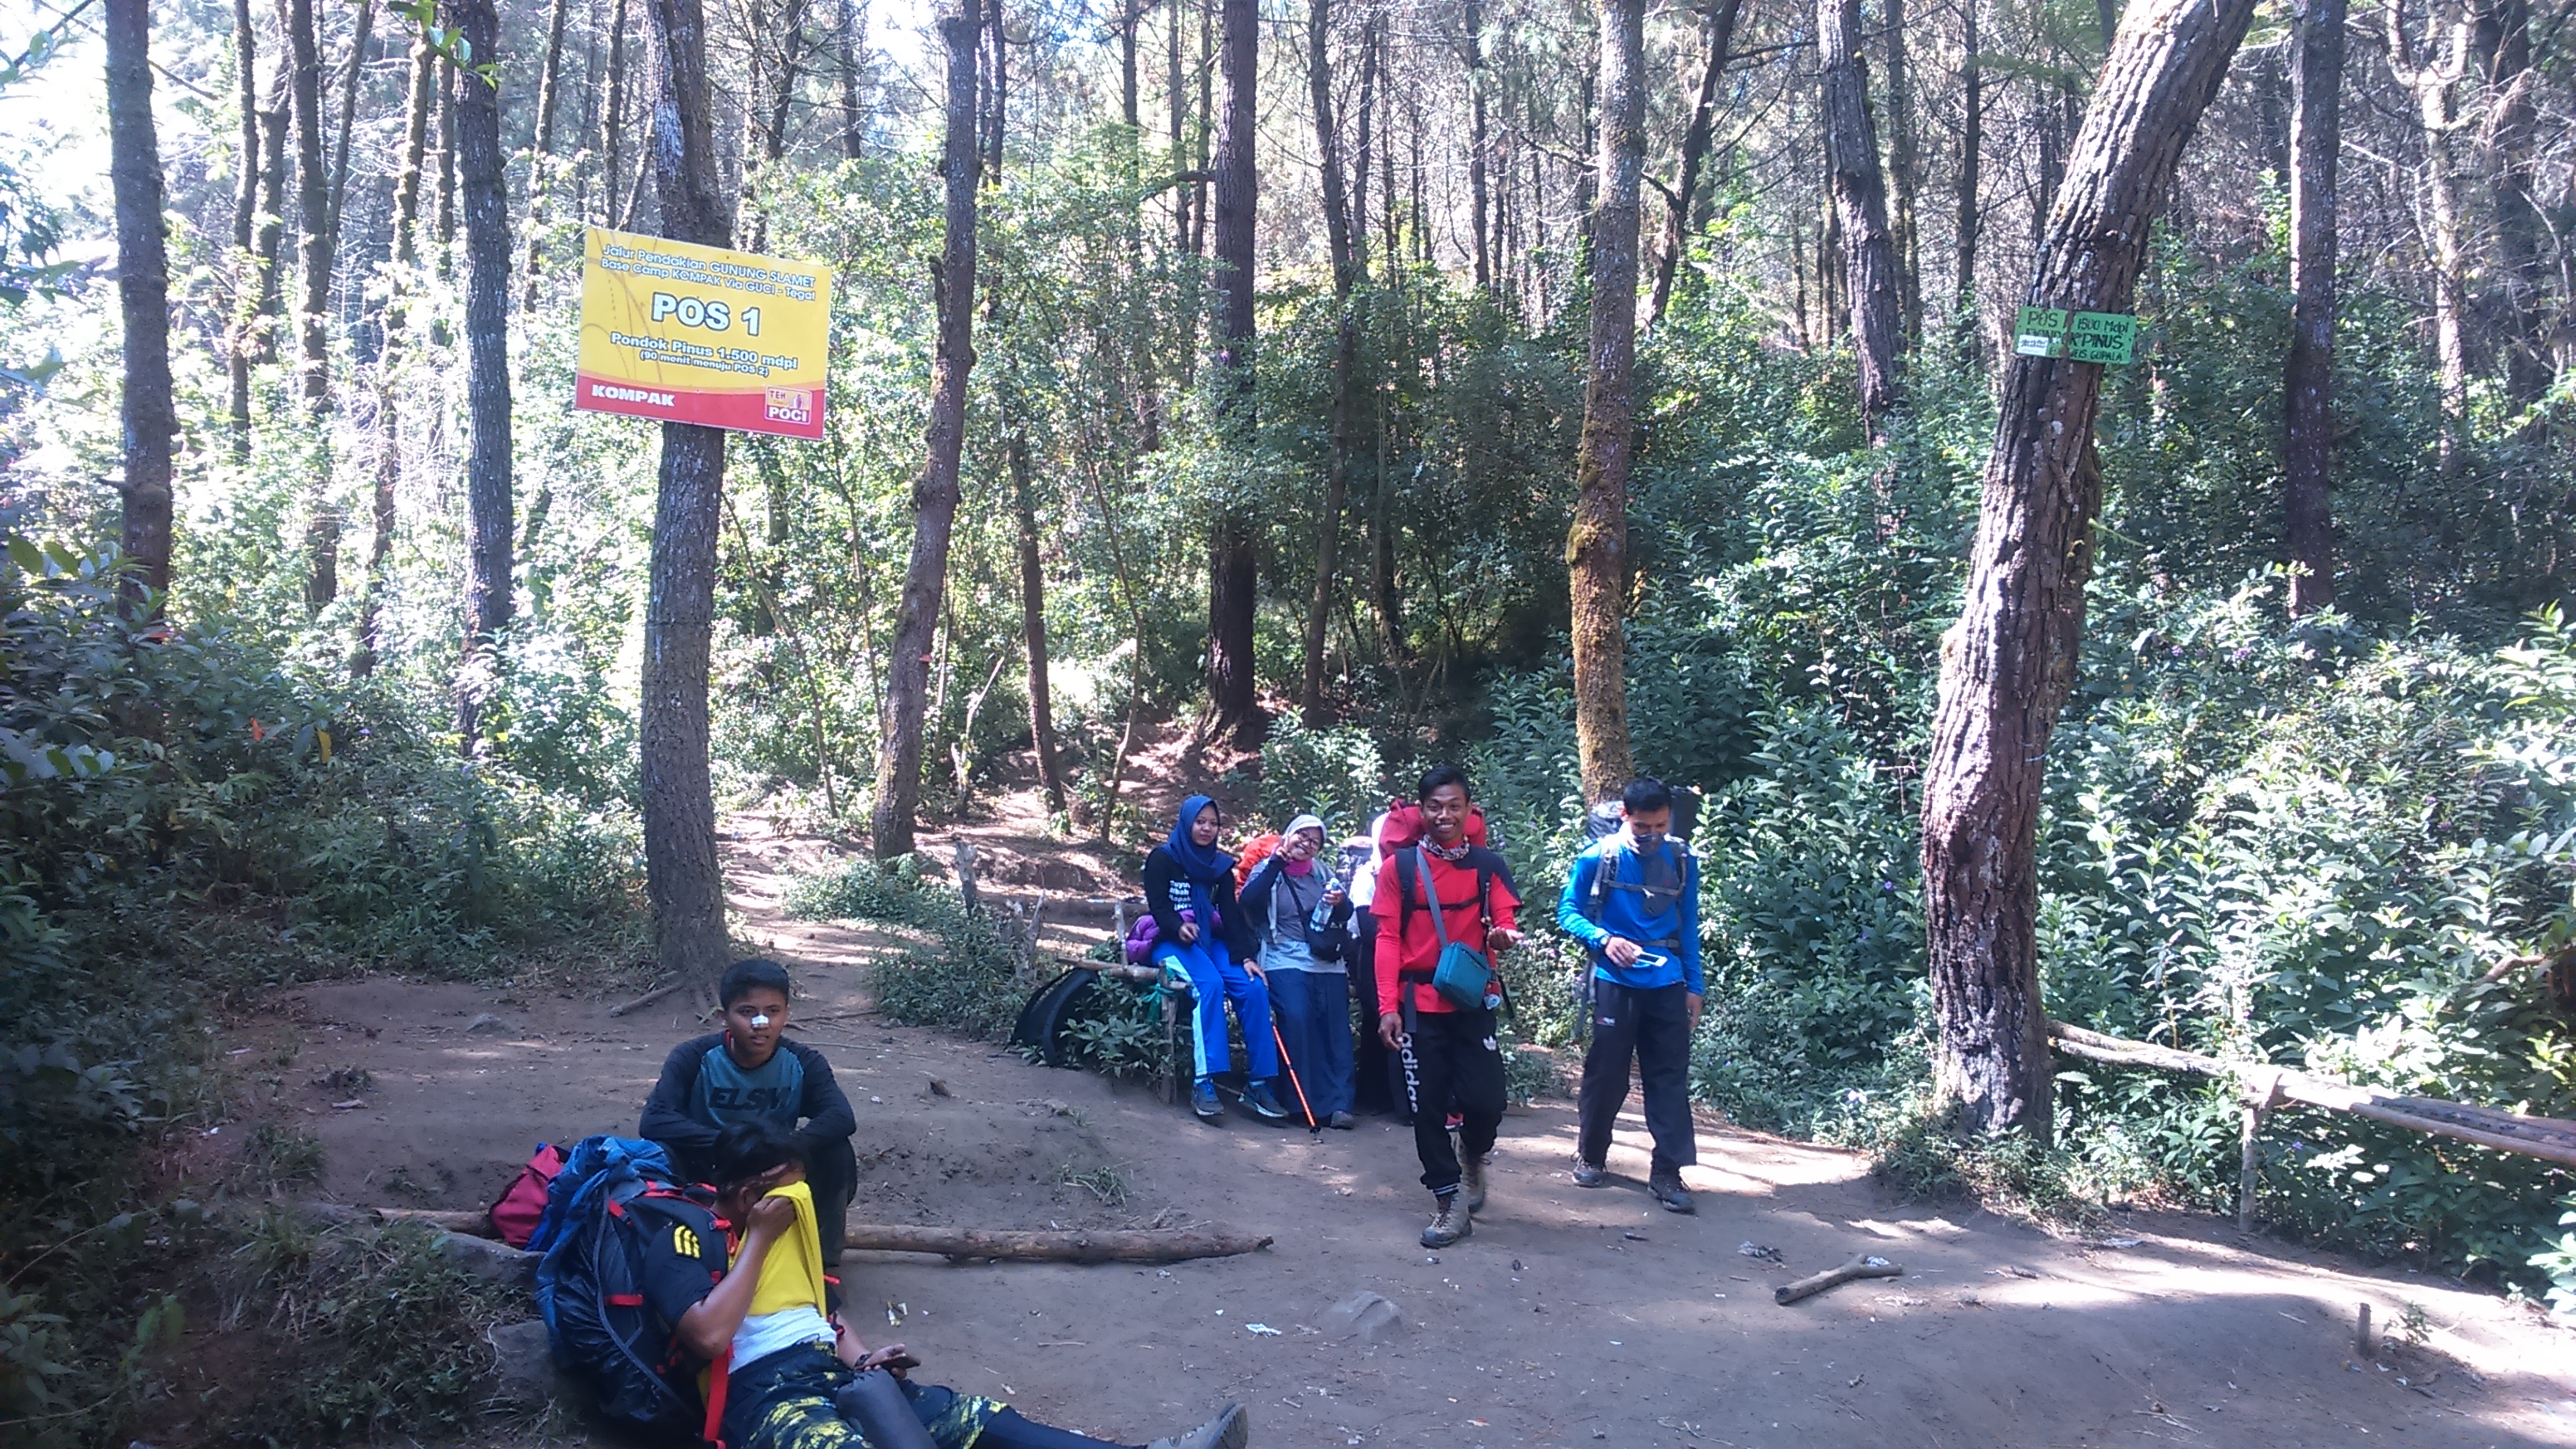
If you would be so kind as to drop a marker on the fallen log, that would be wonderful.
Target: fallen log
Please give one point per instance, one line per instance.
(471, 1224)
(958, 1244)
(965, 1244)
(648, 998)
(2547, 1138)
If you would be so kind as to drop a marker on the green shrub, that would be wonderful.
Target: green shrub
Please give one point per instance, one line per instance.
(963, 977)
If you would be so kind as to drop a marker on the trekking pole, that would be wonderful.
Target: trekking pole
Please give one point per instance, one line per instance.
(1292, 1077)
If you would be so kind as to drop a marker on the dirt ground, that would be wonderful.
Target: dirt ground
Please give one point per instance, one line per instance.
(1571, 1318)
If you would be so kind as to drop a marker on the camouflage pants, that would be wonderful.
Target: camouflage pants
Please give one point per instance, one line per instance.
(784, 1401)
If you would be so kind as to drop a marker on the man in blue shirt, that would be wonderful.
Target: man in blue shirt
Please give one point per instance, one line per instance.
(1633, 900)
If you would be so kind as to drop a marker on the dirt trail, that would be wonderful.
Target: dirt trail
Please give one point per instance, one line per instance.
(1572, 1317)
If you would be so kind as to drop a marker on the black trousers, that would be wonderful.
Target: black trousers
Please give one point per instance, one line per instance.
(1653, 1027)
(1377, 1080)
(1451, 1060)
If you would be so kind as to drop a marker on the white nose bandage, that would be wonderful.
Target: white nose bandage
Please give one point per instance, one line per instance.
(758, 1022)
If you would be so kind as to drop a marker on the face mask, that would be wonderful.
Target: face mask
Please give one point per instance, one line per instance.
(1646, 841)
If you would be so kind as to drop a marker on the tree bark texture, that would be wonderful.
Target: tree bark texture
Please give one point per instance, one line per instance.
(1869, 271)
(486, 203)
(1233, 564)
(612, 119)
(1680, 208)
(1033, 628)
(681, 871)
(238, 348)
(2307, 451)
(541, 154)
(2009, 662)
(934, 493)
(1596, 547)
(143, 294)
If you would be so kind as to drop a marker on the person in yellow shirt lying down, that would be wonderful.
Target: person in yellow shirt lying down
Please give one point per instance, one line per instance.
(782, 1368)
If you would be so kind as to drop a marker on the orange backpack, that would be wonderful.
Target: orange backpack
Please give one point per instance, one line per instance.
(1256, 850)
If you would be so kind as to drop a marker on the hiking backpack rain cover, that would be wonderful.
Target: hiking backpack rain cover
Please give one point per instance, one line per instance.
(613, 1196)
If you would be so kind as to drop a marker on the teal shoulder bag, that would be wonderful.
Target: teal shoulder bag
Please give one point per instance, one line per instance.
(1463, 975)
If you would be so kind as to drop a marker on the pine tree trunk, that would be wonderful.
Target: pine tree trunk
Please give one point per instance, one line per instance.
(313, 225)
(541, 155)
(2522, 229)
(1233, 581)
(361, 34)
(1679, 208)
(612, 120)
(1033, 628)
(934, 494)
(850, 38)
(254, 280)
(143, 295)
(2009, 663)
(1869, 271)
(2316, 89)
(1972, 142)
(312, 334)
(1900, 179)
(1337, 467)
(395, 317)
(486, 202)
(2435, 86)
(1476, 143)
(681, 871)
(1596, 548)
(270, 244)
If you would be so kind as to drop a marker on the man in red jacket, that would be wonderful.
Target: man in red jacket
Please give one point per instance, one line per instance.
(1443, 888)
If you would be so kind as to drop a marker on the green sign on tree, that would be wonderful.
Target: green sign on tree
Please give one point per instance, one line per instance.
(2110, 337)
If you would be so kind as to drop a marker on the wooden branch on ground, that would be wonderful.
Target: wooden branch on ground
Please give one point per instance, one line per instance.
(471, 1224)
(2548, 1138)
(1862, 1265)
(963, 1244)
(959, 1244)
(649, 997)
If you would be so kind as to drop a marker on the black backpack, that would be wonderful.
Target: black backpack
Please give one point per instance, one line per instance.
(604, 1331)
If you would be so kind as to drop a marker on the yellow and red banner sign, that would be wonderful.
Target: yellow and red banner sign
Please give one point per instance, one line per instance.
(693, 334)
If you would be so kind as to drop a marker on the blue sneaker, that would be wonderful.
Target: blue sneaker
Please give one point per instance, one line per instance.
(1263, 1104)
(1203, 1100)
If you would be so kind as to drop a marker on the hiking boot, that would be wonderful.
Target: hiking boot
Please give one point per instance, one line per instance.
(1263, 1104)
(1668, 1190)
(1343, 1122)
(1203, 1100)
(1453, 1223)
(1590, 1174)
(1471, 1183)
(1230, 1429)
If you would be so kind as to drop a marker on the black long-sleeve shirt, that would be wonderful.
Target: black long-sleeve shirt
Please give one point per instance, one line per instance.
(686, 1110)
(1167, 894)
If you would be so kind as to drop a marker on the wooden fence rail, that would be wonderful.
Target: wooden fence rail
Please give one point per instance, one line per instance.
(2261, 1087)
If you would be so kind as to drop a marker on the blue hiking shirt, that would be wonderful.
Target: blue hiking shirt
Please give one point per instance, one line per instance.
(1622, 910)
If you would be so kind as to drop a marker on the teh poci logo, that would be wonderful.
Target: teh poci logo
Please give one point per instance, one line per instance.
(788, 404)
